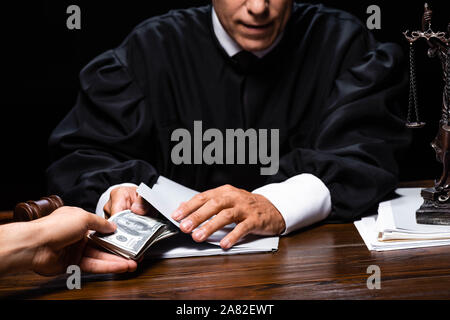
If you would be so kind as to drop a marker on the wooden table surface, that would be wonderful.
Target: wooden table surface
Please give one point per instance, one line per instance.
(325, 262)
(322, 262)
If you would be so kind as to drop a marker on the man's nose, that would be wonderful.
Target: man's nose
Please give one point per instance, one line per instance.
(257, 7)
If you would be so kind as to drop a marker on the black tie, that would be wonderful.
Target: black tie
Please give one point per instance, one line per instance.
(245, 60)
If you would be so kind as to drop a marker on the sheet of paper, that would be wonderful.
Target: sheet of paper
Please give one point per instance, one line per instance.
(181, 246)
(365, 234)
(369, 227)
(166, 195)
(385, 219)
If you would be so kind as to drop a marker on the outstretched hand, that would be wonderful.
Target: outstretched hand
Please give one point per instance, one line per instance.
(63, 242)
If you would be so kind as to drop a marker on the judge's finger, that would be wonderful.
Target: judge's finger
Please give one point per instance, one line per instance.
(140, 206)
(186, 208)
(93, 265)
(240, 231)
(99, 224)
(223, 218)
(210, 208)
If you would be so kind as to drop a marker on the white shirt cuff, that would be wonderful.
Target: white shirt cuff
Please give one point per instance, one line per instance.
(302, 200)
(104, 198)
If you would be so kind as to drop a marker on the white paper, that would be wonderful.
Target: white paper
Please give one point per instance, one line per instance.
(396, 219)
(166, 196)
(365, 234)
(183, 246)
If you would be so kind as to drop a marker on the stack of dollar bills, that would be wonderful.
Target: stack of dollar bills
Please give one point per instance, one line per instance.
(134, 234)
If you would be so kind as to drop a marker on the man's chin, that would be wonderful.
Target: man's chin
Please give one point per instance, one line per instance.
(254, 45)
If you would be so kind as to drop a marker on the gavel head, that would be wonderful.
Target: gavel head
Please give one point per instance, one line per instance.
(32, 210)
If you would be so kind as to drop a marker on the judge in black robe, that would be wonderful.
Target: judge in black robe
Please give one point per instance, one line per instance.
(328, 86)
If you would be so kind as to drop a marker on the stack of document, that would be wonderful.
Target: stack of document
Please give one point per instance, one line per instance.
(165, 196)
(395, 226)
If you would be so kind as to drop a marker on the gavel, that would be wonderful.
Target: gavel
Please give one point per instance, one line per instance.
(32, 210)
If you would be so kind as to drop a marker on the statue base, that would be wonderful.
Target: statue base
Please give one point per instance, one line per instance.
(435, 208)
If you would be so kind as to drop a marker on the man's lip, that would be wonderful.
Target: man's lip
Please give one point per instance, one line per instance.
(257, 26)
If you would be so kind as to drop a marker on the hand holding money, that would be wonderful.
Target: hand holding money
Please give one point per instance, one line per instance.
(134, 234)
(50, 244)
(64, 234)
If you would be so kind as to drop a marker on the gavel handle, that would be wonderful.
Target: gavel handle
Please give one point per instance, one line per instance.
(32, 210)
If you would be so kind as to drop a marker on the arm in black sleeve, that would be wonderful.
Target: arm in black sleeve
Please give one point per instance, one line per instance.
(104, 140)
(359, 135)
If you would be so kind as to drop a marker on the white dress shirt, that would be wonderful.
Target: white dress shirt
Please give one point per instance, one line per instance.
(303, 199)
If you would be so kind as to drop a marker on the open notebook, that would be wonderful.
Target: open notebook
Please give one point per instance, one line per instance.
(165, 196)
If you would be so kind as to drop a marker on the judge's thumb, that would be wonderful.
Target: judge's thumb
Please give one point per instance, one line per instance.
(100, 224)
(140, 206)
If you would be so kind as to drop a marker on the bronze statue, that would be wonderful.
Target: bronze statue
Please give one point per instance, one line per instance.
(436, 206)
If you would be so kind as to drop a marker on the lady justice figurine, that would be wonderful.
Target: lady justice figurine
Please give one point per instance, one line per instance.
(436, 206)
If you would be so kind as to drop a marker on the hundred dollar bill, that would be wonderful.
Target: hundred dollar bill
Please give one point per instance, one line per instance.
(134, 234)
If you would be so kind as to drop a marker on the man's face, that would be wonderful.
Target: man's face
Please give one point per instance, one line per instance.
(253, 24)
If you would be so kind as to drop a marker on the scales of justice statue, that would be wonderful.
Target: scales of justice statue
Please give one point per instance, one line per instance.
(436, 206)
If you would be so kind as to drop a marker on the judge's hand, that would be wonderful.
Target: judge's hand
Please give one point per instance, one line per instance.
(126, 198)
(252, 213)
(62, 240)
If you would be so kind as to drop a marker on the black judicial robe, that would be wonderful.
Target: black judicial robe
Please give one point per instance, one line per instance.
(328, 86)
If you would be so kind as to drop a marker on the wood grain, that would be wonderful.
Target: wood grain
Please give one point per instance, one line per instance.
(325, 262)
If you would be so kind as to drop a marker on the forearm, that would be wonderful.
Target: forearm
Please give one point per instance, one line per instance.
(302, 200)
(19, 242)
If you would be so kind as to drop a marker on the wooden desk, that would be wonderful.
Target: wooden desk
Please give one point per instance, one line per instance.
(325, 262)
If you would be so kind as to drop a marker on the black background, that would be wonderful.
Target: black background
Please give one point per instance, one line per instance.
(41, 60)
